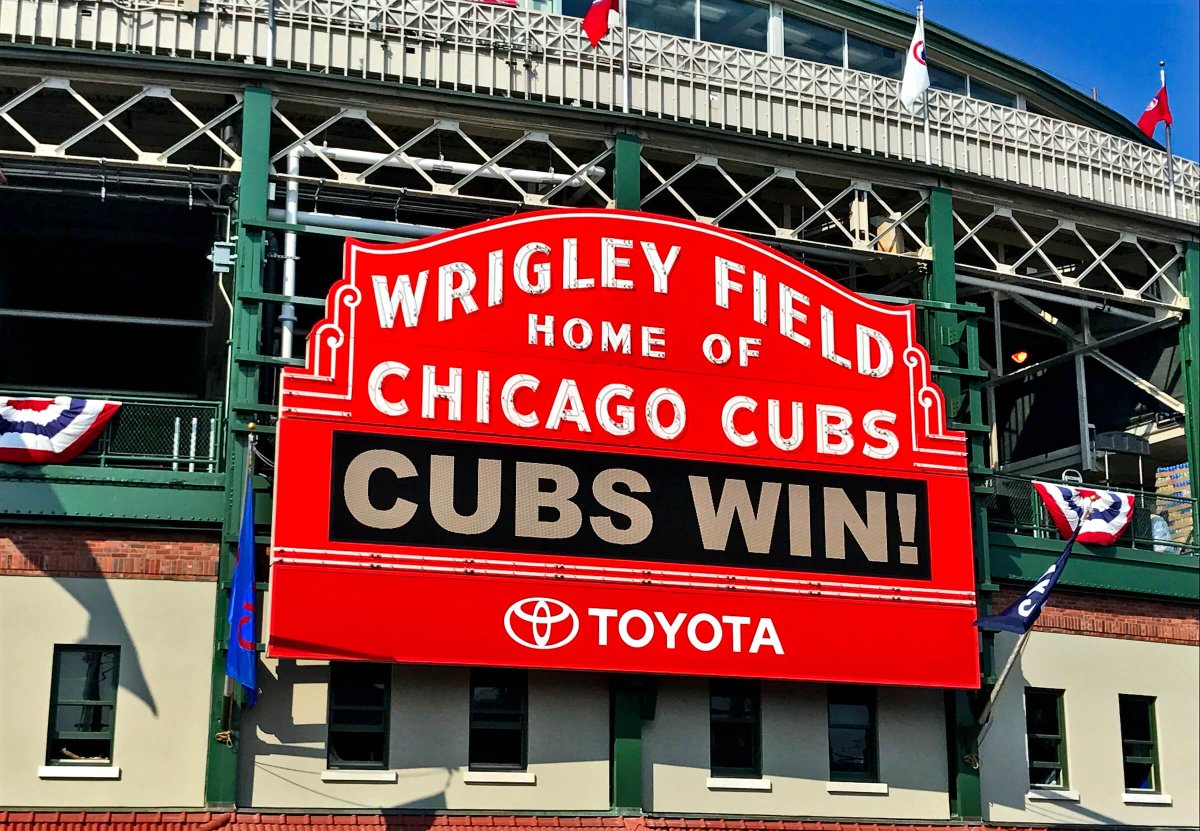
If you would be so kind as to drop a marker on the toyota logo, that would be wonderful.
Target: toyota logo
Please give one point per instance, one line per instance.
(543, 623)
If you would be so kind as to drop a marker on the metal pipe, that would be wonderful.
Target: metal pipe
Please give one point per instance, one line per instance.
(537, 177)
(97, 318)
(270, 32)
(1025, 291)
(287, 311)
(358, 223)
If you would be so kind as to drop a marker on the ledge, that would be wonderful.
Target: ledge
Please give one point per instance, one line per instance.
(729, 783)
(1147, 799)
(358, 776)
(79, 772)
(875, 788)
(499, 777)
(1046, 795)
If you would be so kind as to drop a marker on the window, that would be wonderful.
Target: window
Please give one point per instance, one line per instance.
(499, 719)
(83, 704)
(671, 17)
(946, 80)
(992, 95)
(1138, 748)
(735, 23)
(869, 56)
(853, 754)
(359, 699)
(735, 729)
(811, 41)
(1045, 738)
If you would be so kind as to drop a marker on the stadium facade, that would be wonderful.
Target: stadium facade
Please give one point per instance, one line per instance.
(1003, 269)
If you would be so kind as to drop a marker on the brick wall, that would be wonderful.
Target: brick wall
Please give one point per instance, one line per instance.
(1112, 616)
(121, 553)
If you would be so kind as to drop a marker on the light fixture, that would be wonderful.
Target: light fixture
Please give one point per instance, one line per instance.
(1020, 357)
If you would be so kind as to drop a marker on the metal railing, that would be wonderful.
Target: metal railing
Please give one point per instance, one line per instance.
(501, 51)
(154, 433)
(1161, 522)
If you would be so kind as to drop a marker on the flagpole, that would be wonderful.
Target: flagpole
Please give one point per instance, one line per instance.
(1162, 77)
(626, 81)
(1018, 649)
(921, 23)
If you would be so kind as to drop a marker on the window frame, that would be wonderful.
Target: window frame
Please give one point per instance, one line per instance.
(52, 734)
(1155, 773)
(1060, 697)
(384, 731)
(868, 696)
(477, 718)
(740, 686)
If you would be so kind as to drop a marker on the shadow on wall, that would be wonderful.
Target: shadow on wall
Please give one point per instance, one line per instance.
(106, 625)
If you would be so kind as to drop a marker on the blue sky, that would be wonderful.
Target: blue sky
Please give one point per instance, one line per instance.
(1112, 46)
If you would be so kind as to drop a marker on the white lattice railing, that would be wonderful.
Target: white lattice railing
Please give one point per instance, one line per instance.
(504, 51)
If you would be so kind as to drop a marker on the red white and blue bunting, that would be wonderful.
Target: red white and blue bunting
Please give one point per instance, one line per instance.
(42, 431)
(1111, 511)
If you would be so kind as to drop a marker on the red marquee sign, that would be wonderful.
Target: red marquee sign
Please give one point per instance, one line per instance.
(612, 441)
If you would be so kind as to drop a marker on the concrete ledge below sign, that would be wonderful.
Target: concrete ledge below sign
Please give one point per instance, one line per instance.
(873, 788)
(79, 772)
(1048, 795)
(723, 783)
(358, 776)
(499, 777)
(1147, 799)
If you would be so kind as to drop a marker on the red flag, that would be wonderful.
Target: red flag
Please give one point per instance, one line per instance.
(1157, 110)
(595, 22)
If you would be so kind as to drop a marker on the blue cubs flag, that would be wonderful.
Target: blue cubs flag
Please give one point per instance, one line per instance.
(241, 658)
(1020, 616)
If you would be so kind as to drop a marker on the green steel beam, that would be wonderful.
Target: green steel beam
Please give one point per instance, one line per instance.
(111, 493)
(627, 172)
(221, 779)
(953, 350)
(1165, 575)
(1189, 342)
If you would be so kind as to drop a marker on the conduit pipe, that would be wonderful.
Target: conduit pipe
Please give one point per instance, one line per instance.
(536, 177)
(341, 222)
(1025, 291)
(287, 311)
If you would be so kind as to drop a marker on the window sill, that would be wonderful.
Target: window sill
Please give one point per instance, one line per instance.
(875, 788)
(728, 783)
(1147, 799)
(79, 772)
(1046, 795)
(358, 776)
(499, 777)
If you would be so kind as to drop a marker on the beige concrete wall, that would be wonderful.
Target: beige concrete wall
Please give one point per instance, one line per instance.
(795, 755)
(1093, 672)
(283, 745)
(164, 630)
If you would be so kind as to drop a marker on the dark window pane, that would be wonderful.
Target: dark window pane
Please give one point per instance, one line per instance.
(671, 17)
(78, 750)
(984, 92)
(87, 675)
(343, 717)
(1139, 776)
(811, 41)
(733, 746)
(1135, 719)
(496, 747)
(357, 749)
(849, 715)
(734, 23)
(1043, 750)
(949, 81)
(1041, 713)
(1046, 777)
(575, 8)
(83, 718)
(874, 57)
(848, 750)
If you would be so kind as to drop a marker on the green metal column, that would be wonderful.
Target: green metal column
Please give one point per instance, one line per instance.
(221, 778)
(944, 338)
(626, 692)
(627, 172)
(1189, 342)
